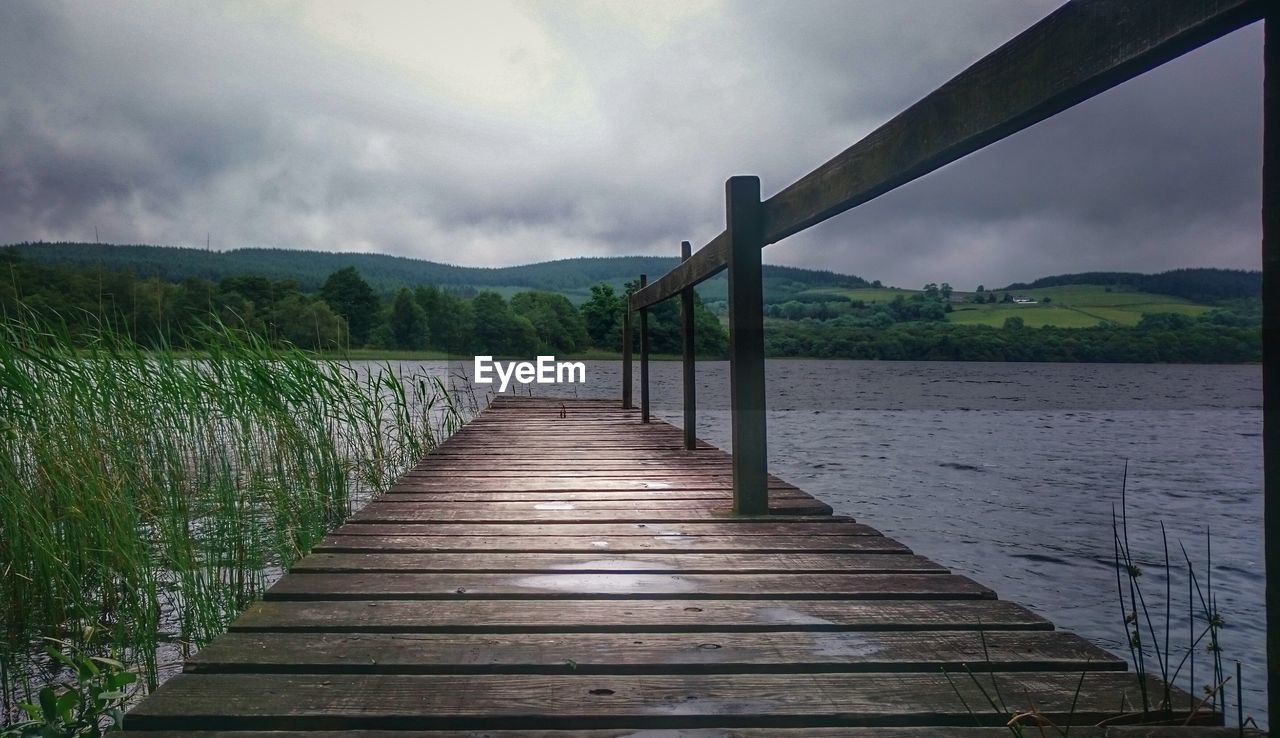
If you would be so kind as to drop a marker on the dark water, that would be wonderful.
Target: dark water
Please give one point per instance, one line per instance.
(1009, 473)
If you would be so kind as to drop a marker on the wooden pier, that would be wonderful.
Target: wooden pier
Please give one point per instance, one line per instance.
(584, 576)
(574, 570)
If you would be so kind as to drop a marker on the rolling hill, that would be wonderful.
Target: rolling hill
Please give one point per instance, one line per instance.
(1076, 306)
(1067, 300)
(571, 277)
(1086, 299)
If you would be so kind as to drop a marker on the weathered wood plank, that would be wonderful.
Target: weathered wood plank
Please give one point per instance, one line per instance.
(601, 562)
(462, 581)
(649, 653)
(610, 545)
(832, 526)
(934, 732)
(336, 701)
(455, 463)
(412, 494)
(471, 585)
(672, 476)
(537, 484)
(654, 503)
(394, 511)
(641, 616)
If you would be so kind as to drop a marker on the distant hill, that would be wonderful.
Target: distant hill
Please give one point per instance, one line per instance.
(1200, 285)
(309, 269)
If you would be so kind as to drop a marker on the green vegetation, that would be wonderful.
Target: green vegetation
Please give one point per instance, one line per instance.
(309, 270)
(809, 314)
(143, 492)
(1159, 338)
(95, 699)
(1061, 322)
(1200, 285)
(1073, 306)
(344, 314)
(858, 294)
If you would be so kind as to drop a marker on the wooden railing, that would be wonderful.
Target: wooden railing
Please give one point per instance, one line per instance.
(1078, 51)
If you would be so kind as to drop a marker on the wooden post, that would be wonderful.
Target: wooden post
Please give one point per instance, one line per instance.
(686, 350)
(746, 345)
(644, 357)
(1271, 349)
(626, 353)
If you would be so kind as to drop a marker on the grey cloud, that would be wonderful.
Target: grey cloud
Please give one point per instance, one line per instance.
(158, 123)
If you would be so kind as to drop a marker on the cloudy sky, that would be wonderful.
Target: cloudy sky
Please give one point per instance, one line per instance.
(491, 133)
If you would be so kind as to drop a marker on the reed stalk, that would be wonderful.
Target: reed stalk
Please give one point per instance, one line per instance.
(151, 496)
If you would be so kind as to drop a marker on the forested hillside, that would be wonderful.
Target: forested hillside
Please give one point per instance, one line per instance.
(808, 313)
(345, 312)
(309, 269)
(1201, 285)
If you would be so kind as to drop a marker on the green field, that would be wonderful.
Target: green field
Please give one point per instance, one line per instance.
(864, 294)
(1075, 306)
(1070, 306)
(1033, 316)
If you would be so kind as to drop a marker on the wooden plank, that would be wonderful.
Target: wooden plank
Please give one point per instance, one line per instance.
(440, 595)
(746, 347)
(457, 461)
(601, 562)
(612, 545)
(1082, 49)
(641, 616)
(934, 732)
(1271, 352)
(743, 528)
(478, 702)
(703, 452)
(411, 494)
(735, 527)
(649, 653)
(688, 373)
(626, 360)
(644, 357)
(651, 504)
(392, 511)
(698, 467)
(666, 475)
(470, 585)
(539, 484)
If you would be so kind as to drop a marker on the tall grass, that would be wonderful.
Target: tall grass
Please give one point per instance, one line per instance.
(151, 496)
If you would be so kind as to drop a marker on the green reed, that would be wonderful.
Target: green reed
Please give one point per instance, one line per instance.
(143, 490)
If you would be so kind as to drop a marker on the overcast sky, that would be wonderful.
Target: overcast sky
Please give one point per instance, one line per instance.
(487, 133)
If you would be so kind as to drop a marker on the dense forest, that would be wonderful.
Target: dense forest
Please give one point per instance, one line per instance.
(346, 311)
(1226, 335)
(1201, 285)
(310, 269)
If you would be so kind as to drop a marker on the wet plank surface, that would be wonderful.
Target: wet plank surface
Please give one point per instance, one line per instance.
(583, 576)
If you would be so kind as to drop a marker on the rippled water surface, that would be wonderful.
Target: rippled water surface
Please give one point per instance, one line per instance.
(1009, 473)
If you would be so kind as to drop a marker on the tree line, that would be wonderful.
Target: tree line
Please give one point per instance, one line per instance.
(1230, 334)
(384, 272)
(1199, 285)
(345, 312)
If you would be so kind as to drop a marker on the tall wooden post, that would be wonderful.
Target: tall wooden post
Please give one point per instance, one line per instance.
(1271, 348)
(626, 352)
(686, 351)
(746, 345)
(644, 356)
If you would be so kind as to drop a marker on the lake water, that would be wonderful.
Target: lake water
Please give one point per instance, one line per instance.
(1009, 473)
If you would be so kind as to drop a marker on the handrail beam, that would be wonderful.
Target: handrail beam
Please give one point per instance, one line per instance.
(1080, 50)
